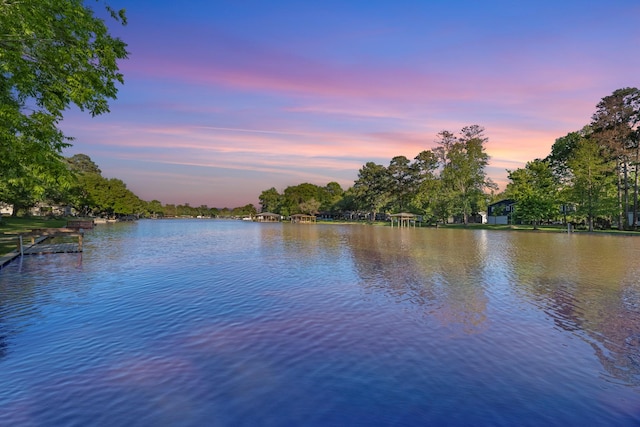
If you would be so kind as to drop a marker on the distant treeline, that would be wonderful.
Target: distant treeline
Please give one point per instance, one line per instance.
(590, 177)
(448, 180)
(83, 187)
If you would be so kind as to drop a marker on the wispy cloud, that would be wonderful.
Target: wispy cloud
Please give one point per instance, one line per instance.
(266, 95)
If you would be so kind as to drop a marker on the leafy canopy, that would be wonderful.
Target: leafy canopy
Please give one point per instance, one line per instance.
(53, 54)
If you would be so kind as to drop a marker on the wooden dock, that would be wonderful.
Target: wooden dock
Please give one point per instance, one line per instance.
(44, 241)
(53, 248)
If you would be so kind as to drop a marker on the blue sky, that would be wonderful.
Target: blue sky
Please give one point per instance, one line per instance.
(225, 99)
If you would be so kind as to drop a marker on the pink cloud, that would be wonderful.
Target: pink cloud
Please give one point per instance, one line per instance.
(515, 79)
(274, 153)
(297, 111)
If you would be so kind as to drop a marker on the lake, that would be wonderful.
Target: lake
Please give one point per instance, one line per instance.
(234, 323)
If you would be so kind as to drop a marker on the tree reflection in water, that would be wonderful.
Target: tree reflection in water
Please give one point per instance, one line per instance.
(585, 284)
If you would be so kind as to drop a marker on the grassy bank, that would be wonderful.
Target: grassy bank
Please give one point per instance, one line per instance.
(541, 228)
(548, 228)
(13, 225)
(551, 228)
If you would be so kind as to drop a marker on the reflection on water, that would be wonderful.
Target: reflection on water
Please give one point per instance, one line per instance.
(439, 271)
(234, 323)
(587, 285)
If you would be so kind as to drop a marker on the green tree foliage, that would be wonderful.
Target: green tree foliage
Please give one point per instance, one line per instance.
(615, 125)
(155, 208)
(334, 194)
(270, 200)
(36, 182)
(426, 164)
(86, 174)
(110, 197)
(463, 174)
(94, 194)
(593, 186)
(309, 207)
(186, 210)
(81, 163)
(244, 211)
(224, 213)
(170, 210)
(347, 203)
(562, 150)
(371, 189)
(429, 198)
(403, 182)
(302, 198)
(448, 180)
(294, 198)
(535, 190)
(53, 54)
(117, 199)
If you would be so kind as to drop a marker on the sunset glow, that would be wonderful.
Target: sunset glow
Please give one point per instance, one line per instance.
(223, 100)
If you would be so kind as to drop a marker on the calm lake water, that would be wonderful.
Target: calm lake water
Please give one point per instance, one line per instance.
(232, 323)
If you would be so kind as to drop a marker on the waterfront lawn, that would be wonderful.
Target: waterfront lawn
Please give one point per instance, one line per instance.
(519, 227)
(13, 225)
(541, 228)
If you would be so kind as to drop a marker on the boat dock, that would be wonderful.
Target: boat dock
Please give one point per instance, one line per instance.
(44, 241)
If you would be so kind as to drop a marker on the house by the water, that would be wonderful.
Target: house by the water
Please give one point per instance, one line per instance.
(268, 217)
(501, 212)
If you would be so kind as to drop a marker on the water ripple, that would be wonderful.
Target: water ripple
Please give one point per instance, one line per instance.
(235, 323)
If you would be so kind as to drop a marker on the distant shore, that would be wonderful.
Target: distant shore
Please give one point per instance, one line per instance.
(14, 225)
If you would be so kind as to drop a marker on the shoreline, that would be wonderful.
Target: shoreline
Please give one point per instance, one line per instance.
(10, 226)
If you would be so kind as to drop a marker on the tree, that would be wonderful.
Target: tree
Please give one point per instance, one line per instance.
(110, 197)
(48, 177)
(83, 170)
(119, 200)
(95, 194)
(154, 208)
(270, 200)
(53, 54)
(433, 201)
(309, 207)
(445, 141)
(246, 210)
(86, 194)
(334, 194)
(427, 198)
(464, 160)
(171, 210)
(186, 210)
(371, 189)
(562, 150)
(347, 202)
(294, 196)
(403, 181)
(593, 184)
(81, 163)
(426, 163)
(535, 190)
(615, 124)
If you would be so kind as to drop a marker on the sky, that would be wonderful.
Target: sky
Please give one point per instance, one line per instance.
(225, 99)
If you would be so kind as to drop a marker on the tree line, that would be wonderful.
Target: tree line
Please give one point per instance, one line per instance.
(590, 176)
(55, 54)
(445, 181)
(91, 194)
